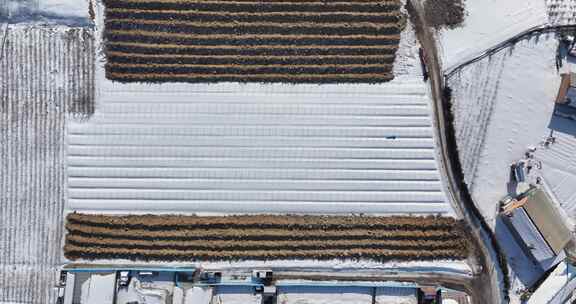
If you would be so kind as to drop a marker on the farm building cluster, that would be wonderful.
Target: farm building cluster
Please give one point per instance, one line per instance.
(181, 285)
(516, 141)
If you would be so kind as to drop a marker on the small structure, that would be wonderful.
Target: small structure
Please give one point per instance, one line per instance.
(537, 227)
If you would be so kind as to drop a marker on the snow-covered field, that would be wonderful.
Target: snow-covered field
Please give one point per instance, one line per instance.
(35, 97)
(510, 97)
(63, 12)
(562, 11)
(233, 148)
(487, 23)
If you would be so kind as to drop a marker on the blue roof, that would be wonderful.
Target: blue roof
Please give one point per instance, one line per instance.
(530, 238)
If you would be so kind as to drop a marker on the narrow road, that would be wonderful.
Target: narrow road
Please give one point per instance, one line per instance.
(490, 284)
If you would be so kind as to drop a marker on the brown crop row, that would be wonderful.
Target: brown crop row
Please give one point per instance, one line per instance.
(282, 221)
(240, 233)
(76, 252)
(268, 29)
(227, 244)
(173, 237)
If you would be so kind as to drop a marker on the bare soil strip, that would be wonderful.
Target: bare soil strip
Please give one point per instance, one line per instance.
(292, 221)
(339, 47)
(148, 56)
(76, 252)
(247, 36)
(174, 237)
(246, 233)
(121, 57)
(295, 2)
(225, 13)
(247, 50)
(287, 78)
(252, 70)
(368, 30)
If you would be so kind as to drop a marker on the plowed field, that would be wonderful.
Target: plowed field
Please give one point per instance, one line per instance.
(301, 41)
(188, 238)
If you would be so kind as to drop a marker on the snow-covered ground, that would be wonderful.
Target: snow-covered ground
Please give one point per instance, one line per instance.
(459, 268)
(487, 23)
(35, 97)
(550, 288)
(233, 148)
(65, 12)
(559, 164)
(562, 11)
(503, 105)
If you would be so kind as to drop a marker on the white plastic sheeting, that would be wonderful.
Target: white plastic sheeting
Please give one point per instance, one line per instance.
(257, 148)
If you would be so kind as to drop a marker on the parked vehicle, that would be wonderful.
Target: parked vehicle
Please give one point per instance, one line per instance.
(124, 280)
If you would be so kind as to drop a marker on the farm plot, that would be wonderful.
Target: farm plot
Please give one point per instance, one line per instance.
(263, 237)
(561, 12)
(282, 149)
(39, 86)
(249, 41)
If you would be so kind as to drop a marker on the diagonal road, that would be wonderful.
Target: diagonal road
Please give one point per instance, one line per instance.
(491, 283)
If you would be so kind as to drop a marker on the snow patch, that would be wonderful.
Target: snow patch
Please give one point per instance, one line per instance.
(488, 23)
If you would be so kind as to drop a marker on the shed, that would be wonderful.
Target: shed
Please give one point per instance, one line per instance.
(538, 228)
(540, 209)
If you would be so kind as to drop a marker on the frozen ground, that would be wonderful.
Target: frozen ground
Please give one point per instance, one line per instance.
(233, 148)
(487, 23)
(34, 100)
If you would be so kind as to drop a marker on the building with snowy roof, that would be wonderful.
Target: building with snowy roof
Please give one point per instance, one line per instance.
(538, 228)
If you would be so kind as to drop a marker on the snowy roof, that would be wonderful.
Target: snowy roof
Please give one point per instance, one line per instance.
(347, 295)
(528, 236)
(546, 218)
(293, 149)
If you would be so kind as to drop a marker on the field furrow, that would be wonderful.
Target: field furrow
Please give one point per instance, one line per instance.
(172, 237)
(348, 30)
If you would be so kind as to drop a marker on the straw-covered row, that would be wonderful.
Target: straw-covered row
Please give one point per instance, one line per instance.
(187, 238)
(252, 41)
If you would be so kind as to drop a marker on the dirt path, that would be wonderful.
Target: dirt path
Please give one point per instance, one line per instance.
(490, 284)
